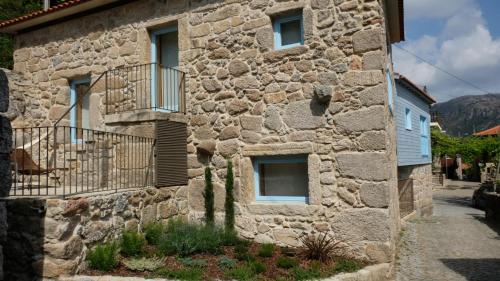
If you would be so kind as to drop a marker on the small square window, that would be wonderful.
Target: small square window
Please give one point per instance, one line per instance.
(281, 179)
(288, 32)
(408, 119)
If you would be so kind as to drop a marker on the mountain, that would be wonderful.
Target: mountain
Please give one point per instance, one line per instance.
(468, 114)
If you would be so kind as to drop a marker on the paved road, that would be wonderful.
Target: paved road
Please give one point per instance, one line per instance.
(454, 244)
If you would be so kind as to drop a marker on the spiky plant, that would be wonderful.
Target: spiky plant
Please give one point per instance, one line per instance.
(208, 194)
(319, 247)
(229, 202)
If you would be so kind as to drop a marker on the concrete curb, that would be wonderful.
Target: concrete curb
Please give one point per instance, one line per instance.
(376, 272)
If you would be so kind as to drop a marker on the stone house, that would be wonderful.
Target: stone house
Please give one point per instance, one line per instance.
(412, 114)
(297, 94)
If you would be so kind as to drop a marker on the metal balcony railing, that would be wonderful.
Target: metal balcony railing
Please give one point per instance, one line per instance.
(62, 161)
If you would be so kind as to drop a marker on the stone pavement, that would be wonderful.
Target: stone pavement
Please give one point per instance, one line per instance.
(454, 244)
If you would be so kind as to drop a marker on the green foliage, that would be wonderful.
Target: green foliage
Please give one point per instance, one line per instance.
(226, 262)
(132, 243)
(208, 195)
(103, 257)
(143, 264)
(300, 273)
(286, 262)
(266, 250)
(242, 273)
(344, 265)
(241, 252)
(319, 247)
(193, 263)
(229, 238)
(189, 274)
(184, 239)
(229, 201)
(256, 266)
(153, 232)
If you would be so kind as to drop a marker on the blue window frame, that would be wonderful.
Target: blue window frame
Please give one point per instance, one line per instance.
(390, 88)
(281, 179)
(80, 114)
(288, 31)
(424, 137)
(408, 119)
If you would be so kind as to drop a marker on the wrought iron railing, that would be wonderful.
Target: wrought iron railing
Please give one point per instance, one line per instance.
(63, 160)
(146, 86)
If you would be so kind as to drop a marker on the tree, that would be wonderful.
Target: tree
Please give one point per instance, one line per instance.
(208, 194)
(229, 202)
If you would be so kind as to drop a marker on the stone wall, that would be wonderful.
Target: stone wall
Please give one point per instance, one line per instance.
(422, 186)
(246, 99)
(54, 235)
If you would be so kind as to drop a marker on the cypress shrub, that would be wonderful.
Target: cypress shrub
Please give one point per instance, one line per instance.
(229, 202)
(208, 194)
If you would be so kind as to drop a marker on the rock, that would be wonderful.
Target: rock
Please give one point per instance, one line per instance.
(323, 93)
(238, 68)
(246, 82)
(379, 252)
(328, 78)
(237, 106)
(361, 120)
(4, 91)
(272, 119)
(306, 114)
(54, 268)
(367, 40)
(220, 53)
(359, 225)
(250, 136)
(374, 195)
(211, 85)
(65, 250)
(287, 237)
(265, 37)
(263, 239)
(167, 210)
(363, 78)
(57, 111)
(373, 61)
(148, 214)
(374, 140)
(367, 166)
(228, 147)
(334, 54)
(196, 199)
(279, 55)
(373, 95)
(252, 123)
(77, 206)
(206, 147)
(205, 133)
(277, 97)
(230, 132)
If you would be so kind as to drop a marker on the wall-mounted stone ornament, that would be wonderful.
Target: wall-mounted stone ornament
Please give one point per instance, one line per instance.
(323, 93)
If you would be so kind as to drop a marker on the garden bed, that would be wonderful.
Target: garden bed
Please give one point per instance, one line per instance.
(184, 251)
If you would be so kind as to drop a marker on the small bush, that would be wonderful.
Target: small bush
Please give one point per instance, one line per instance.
(143, 264)
(153, 232)
(300, 273)
(189, 274)
(241, 273)
(286, 262)
(189, 262)
(245, 257)
(241, 248)
(103, 257)
(266, 250)
(257, 267)
(226, 263)
(132, 243)
(229, 238)
(344, 265)
(319, 247)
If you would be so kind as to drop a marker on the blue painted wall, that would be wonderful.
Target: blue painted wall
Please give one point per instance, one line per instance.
(409, 142)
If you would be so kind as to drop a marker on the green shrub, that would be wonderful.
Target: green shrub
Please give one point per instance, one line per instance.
(143, 264)
(208, 195)
(345, 265)
(300, 273)
(189, 274)
(266, 250)
(286, 262)
(226, 263)
(244, 257)
(189, 262)
(132, 243)
(103, 257)
(185, 239)
(229, 238)
(241, 273)
(319, 247)
(241, 248)
(229, 201)
(257, 266)
(153, 232)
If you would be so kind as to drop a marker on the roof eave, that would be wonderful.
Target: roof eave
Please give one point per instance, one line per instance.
(395, 16)
(414, 88)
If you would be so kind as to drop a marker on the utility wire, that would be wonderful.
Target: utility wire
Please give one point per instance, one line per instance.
(443, 70)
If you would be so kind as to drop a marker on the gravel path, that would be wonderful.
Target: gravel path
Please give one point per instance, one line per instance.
(454, 244)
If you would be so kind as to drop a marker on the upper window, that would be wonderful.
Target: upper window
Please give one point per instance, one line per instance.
(408, 119)
(281, 178)
(288, 31)
(424, 136)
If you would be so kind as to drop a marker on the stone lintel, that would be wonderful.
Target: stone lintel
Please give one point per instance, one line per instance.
(284, 7)
(144, 116)
(278, 149)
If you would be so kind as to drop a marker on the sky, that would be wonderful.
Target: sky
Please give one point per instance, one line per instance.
(459, 36)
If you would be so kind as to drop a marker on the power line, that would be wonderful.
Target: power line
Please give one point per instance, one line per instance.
(443, 70)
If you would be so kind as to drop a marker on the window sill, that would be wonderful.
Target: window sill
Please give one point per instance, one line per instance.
(282, 200)
(283, 209)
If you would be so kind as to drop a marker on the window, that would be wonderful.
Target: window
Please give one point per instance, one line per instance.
(281, 178)
(390, 87)
(424, 137)
(288, 32)
(408, 119)
(80, 114)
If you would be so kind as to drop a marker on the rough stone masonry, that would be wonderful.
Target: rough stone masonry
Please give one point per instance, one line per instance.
(326, 99)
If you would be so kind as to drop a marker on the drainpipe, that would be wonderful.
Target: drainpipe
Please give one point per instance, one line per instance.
(46, 5)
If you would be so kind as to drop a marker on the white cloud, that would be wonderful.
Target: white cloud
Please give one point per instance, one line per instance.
(465, 47)
(434, 9)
